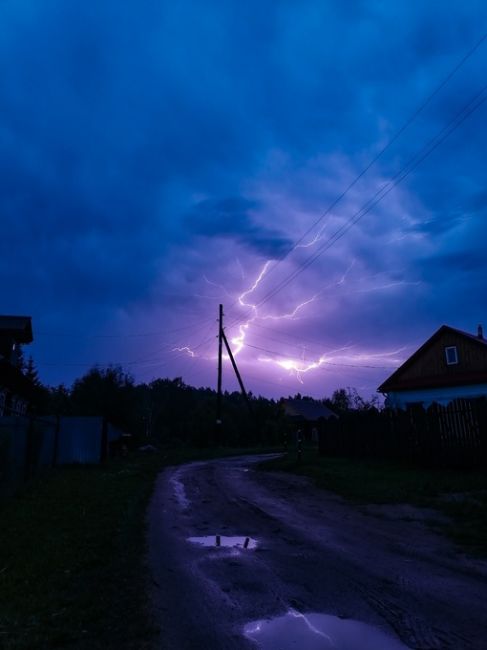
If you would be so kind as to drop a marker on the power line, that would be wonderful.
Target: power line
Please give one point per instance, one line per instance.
(295, 345)
(128, 335)
(291, 336)
(390, 142)
(325, 363)
(403, 173)
(398, 133)
(165, 350)
(339, 233)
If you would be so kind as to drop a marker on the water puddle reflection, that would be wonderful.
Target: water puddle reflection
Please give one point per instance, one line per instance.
(223, 540)
(318, 632)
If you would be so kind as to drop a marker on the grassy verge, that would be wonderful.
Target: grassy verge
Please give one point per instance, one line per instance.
(72, 548)
(460, 495)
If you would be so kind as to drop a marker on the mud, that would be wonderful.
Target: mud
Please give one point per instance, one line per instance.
(315, 553)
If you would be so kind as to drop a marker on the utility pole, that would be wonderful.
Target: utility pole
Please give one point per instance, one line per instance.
(242, 387)
(218, 427)
(221, 340)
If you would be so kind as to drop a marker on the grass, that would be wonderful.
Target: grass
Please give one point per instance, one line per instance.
(72, 553)
(461, 495)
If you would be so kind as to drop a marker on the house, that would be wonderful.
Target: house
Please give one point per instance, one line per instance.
(14, 386)
(308, 415)
(452, 364)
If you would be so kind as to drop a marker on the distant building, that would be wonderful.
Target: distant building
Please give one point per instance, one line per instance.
(451, 365)
(308, 415)
(14, 386)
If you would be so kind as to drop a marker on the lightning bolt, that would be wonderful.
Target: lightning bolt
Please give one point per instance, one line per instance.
(301, 305)
(298, 368)
(185, 349)
(261, 274)
(219, 286)
(295, 311)
(389, 285)
(315, 239)
(239, 339)
(240, 267)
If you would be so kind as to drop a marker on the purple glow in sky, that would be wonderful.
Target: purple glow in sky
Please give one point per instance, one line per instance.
(160, 159)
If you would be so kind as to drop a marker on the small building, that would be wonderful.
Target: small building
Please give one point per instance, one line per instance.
(85, 439)
(308, 415)
(15, 388)
(450, 365)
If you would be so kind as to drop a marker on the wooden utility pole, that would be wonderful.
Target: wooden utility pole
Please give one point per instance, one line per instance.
(242, 387)
(223, 339)
(218, 427)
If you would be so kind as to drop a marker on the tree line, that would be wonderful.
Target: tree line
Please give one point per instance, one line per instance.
(170, 411)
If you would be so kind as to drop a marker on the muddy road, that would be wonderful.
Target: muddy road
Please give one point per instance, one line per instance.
(249, 559)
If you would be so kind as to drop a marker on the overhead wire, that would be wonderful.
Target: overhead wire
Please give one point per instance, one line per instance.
(379, 196)
(325, 363)
(127, 335)
(474, 103)
(382, 192)
(388, 144)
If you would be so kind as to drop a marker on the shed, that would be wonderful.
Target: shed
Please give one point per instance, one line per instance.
(85, 439)
(309, 415)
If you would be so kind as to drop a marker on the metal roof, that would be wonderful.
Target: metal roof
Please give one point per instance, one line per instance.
(307, 409)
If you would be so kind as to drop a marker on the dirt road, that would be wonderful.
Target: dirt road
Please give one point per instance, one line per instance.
(249, 559)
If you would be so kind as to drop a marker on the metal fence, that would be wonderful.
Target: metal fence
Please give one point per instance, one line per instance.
(29, 445)
(443, 436)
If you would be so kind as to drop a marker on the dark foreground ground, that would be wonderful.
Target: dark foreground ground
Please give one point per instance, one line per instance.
(314, 555)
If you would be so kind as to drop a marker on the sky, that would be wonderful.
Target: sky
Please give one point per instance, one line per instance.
(317, 167)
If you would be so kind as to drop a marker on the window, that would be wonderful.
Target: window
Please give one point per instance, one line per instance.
(451, 355)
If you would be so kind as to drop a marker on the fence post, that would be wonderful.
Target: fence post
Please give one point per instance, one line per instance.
(104, 441)
(29, 440)
(56, 441)
(481, 410)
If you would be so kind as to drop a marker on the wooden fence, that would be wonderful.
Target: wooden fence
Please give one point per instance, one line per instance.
(442, 436)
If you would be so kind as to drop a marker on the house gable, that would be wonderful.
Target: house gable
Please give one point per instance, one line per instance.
(449, 358)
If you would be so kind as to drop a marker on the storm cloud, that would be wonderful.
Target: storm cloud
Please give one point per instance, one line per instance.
(158, 159)
(231, 218)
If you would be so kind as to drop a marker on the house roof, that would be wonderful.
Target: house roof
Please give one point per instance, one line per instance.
(394, 381)
(17, 327)
(304, 409)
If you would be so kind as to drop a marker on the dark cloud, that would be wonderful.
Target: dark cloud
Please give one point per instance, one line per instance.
(438, 225)
(125, 126)
(478, 202)
(451, 264)
(232, 218)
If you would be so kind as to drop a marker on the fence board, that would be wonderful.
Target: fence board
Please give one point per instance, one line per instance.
(447, 436)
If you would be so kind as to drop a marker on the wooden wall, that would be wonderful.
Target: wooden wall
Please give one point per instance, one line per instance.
(472, 357)
(443, 436)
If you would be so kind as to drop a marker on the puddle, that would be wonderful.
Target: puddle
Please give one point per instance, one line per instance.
(295, 631)
(223, 540)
